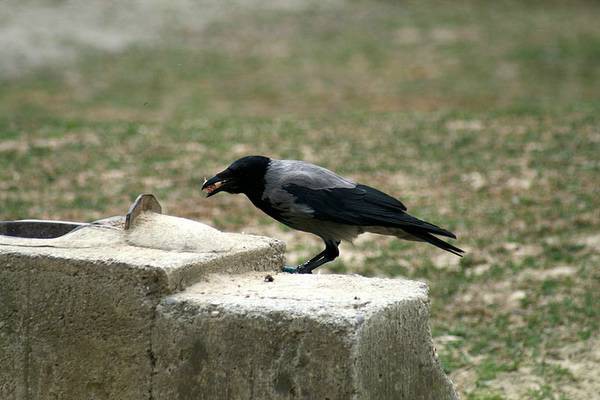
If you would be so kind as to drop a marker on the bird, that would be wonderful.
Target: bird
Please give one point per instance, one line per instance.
(313, 199)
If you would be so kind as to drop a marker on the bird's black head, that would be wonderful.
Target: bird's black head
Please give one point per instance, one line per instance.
(245, 175)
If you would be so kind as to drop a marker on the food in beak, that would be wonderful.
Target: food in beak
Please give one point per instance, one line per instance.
(213, 187)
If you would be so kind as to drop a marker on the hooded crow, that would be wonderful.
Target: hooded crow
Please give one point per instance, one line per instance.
(313, 199)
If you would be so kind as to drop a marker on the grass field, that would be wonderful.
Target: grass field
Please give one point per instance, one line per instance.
(482, 117)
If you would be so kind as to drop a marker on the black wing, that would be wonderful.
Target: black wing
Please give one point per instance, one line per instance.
(362, 206)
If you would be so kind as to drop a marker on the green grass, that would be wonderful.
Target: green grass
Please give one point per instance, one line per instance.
(483, 118)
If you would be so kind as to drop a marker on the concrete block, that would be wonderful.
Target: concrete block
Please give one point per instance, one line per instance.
(298, 337)
(77, 311)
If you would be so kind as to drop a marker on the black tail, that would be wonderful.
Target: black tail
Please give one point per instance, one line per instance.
(425, 235)
(415, 225)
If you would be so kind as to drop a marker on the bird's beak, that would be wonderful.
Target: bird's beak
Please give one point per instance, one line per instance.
(215, 184)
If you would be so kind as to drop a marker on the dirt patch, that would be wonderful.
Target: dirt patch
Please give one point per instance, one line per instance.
(520, 251)
(582, 359)
(579, 361)
(518, 384)
(26, 144)
(559, 272)
(480, 297)
(592, 242)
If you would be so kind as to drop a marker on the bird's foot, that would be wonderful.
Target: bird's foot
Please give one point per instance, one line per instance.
(289, 269)
(300, 269)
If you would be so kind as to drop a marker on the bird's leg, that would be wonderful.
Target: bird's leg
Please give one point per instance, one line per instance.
(329, 254)
(295, 269)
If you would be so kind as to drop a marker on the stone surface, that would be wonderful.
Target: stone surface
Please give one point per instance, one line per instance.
(298, 337)
(77, 312)
(174, 309)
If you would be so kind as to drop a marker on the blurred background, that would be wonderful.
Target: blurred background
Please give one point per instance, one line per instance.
(483, 117)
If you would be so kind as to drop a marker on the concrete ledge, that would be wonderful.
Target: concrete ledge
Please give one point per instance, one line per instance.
(77, 311)
(300, 336)
(179, 251)
(96, 314)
